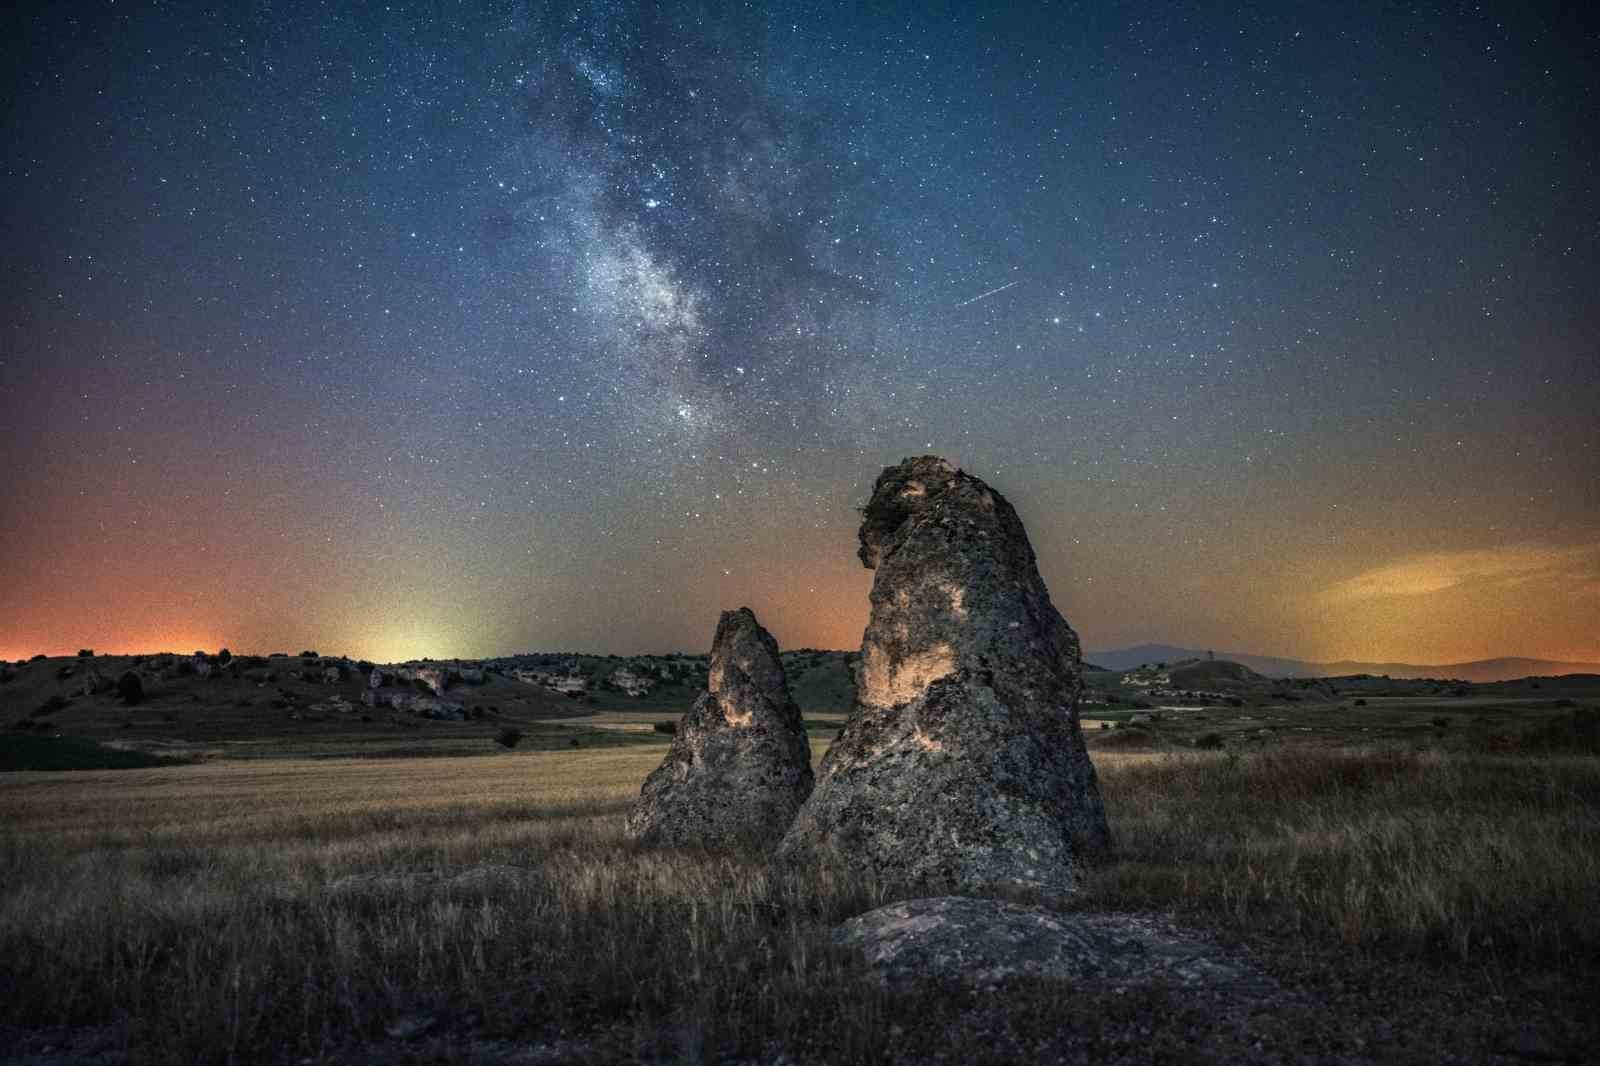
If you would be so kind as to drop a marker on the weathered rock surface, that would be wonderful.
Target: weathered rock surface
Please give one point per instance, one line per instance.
(961, 766)
(983, 942)
(740, 765)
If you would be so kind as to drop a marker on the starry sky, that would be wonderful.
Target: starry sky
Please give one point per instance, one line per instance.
(468, 328)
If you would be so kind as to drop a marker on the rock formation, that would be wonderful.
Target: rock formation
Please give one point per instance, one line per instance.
(961, 765)
(740, 765)
(982, 942)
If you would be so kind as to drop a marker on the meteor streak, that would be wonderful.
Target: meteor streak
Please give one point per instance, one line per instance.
(991, 292)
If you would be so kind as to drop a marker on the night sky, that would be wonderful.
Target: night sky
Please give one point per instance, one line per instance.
(462, 329)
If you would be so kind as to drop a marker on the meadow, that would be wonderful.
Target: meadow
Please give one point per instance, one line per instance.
(1408, 906)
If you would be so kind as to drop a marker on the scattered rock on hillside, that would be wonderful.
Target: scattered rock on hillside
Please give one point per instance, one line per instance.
(740, 765)
(93, 683)
(130, 688)
(981, 942)
(435, 678)
(961, 765)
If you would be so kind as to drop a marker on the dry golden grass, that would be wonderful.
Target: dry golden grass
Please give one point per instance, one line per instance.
(265, 910)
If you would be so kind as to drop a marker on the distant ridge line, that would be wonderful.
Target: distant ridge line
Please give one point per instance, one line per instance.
(1507, 668)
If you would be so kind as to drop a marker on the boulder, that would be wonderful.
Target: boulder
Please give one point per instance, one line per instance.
(740, 764)
(92, 683)
(435, 678)
(130, 688)
(982, 942)
(439, 710)
(961, 766)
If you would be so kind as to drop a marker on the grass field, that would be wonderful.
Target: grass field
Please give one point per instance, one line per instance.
(487, 909)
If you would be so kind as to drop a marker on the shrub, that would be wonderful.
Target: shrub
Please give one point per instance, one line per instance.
(1208, 741)
(309, 655)
(184, 668)
(38, 658)
(1361, 703)
(130, 689)
(508, 738)
(50, 706)
(86, 653)
(666, 727)
(224, 656)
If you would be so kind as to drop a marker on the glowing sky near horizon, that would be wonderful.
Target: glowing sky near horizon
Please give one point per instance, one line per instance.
(416, 329)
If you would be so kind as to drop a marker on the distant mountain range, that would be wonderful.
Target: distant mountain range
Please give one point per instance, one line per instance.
(1480, 670)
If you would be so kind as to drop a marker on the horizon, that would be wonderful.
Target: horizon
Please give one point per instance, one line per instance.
(426, 332)
(1087, 655)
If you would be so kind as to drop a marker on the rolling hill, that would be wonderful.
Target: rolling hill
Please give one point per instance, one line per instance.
(1480, 671)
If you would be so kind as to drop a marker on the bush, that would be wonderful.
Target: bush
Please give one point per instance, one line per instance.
(38, 658)
(508, 738)
(224, 656)
(1208, 741)
(129, 688)
(309, 655)
(86, 653)
(49, 706)
(666, 727)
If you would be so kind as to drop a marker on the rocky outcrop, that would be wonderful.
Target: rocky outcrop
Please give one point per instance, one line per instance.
(961, 766)
(740, 765)
(981, 942)
(410, 701)
(630, 682)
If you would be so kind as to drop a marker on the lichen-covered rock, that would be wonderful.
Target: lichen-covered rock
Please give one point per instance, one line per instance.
(982, 942)
(740, 765)
(961, 766)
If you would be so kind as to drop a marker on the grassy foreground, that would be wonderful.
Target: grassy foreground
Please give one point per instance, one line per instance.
(327, 910)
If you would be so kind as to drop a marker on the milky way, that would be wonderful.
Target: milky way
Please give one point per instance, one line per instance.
(408, 329)
(710, 212)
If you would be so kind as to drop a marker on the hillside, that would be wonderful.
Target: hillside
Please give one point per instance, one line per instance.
(1478, 671)
(249, 706)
